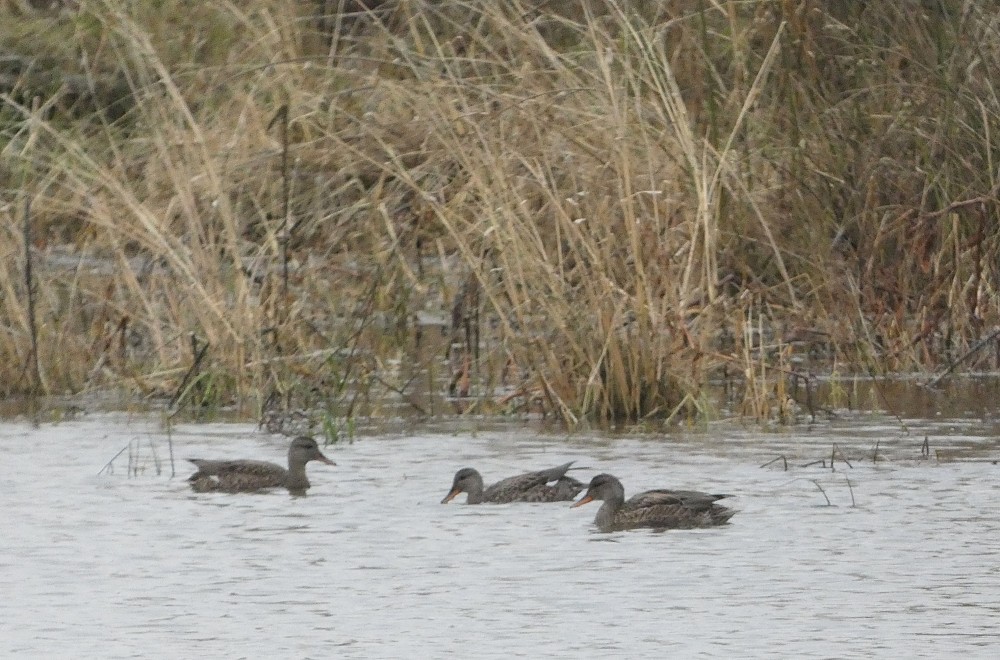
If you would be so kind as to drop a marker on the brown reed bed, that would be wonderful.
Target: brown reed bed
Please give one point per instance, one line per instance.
(592, 209)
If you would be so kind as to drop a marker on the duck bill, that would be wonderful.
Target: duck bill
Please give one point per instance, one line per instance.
(587, 498)
(450, 496)
(323, 459)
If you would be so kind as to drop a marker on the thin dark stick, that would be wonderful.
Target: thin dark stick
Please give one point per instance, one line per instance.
(775, 460)
(401, 390)
(850, 488)
(431, 387)
(925, 449)
(352, 343)
(875, 453)
(796, 377)
(284, 232)
(156, 459)
(975, 349)
(29, 280)
(170, 449)
(809, 399)
(199, 356)
(836, 450)
(989, 198)
(828, 503)
(821, 461)
(107, 466)
(885, 400)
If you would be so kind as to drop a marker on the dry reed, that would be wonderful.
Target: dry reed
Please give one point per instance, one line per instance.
(619, 201)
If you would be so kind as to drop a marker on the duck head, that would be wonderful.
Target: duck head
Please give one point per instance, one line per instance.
(304, 449)
(602, 487)
(467, 480)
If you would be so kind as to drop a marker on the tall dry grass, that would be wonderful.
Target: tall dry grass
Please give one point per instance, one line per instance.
(619, 201)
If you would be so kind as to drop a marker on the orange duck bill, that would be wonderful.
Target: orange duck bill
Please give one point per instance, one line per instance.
(450, 496)
(586, 498)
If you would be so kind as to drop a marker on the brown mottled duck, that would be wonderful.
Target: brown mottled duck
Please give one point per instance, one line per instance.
(550, 485)
(246, 476)
(658, 509)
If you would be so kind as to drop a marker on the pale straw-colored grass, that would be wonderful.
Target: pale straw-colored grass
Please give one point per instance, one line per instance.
(617, 187)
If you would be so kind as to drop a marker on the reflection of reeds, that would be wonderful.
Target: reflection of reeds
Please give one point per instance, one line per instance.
(834, 453)
(784, 462)
(850, 489)
(816, 482)
(621, 199)
(141, 460)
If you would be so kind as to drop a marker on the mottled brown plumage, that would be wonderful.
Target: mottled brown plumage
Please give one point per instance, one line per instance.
(528, 487)
(658, 509)
(245, 476)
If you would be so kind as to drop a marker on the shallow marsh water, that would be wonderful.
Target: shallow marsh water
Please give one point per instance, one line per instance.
(370, 565)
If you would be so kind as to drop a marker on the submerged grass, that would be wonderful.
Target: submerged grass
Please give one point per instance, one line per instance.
(618, 202)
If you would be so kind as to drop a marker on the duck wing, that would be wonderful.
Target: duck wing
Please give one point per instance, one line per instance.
(565, 489)
(666, 509)
(534, 487)
(659, 496)
(236, 476)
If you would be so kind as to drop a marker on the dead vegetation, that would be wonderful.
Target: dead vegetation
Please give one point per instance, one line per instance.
(604, 205)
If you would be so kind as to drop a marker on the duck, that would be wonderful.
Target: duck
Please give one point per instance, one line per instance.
(528, 487)
(247, 476)
(659, 509)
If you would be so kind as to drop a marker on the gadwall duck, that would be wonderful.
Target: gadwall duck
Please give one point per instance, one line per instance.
(529, 487)
(659, 509)
(246, 476)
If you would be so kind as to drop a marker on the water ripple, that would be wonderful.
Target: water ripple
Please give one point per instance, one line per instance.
(371, 565)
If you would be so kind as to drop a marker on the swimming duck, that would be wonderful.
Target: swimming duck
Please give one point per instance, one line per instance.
(528, 487)
(659, 509)
(245, 476)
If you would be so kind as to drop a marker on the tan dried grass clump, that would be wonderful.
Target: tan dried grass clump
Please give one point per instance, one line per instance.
(619, 202)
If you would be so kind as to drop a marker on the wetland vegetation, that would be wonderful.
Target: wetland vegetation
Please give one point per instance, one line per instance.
(590, 209)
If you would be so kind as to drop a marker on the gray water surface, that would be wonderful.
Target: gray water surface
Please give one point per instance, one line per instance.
(370, 565)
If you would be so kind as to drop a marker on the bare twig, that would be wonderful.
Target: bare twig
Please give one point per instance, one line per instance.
(199, 356)
(809, 398)
(972, 351)
(170, 450)
(285, 231)
(109, 466)
(833, 455)
(775, 460)
(987, 199)
(828, 503)
(29, 281)
(156, 459)
(877, 383)
(850, 488)
(401, 390)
